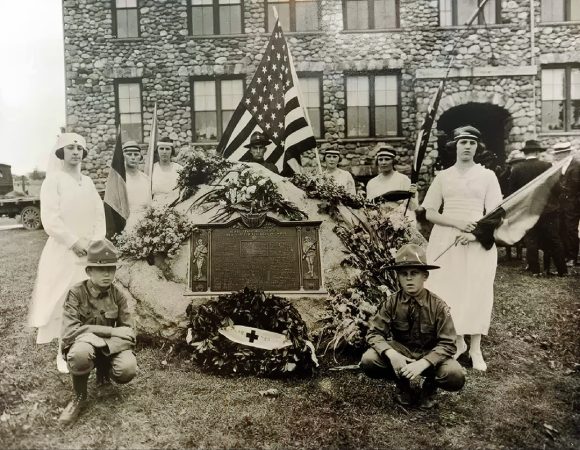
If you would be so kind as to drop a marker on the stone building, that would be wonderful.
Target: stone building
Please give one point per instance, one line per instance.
(367, 68)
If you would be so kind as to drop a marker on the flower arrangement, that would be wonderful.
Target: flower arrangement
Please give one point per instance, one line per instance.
(247, 192)
(200, 168)
(161, 231)
(218, 354)
(371, 245)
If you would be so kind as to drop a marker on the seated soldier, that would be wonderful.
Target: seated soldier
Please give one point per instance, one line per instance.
(412, 336)
(257, 145)
(97, 329)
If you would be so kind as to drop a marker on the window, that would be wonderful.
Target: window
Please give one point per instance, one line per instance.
(125, 18)
(295, 15)
(458, 12)
(129, 111)
(560, 10)
(372, 105)
(561, 98)
(214, 103)
(208, 17)
(370, 14)
(310, 86)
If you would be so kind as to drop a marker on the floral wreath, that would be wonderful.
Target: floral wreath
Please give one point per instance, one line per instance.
(218, 354)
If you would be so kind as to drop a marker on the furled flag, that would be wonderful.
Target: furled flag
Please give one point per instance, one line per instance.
(520, 211)
(116, 202)
(152, 157)
(425, 133)
(271, 105)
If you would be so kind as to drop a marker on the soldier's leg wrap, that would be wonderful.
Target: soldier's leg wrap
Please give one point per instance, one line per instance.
(123, 366)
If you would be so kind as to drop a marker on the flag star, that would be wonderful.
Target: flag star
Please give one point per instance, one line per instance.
(280, 75)
(272, 47)
(280, 125)
(264, 69)
(269, 77)
(260, 99)
(255, 108)
(259, 80)
(287, 82)
(271, 97)
(247, 101)
(260, 116)
(265, 88)
(267, 126)
(275, 134)
(277, 54)
(276, 86)
(253, 90)
(273, 116)
(265, 107)
(269, 58)
(278, 106)
(274, 67)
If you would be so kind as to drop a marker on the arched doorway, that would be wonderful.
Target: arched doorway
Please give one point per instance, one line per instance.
(493, 121)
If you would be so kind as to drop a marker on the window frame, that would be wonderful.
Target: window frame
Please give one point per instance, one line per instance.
(114, 20)
(119, 81)
(219, 109)
(480, 16)
(216, 20)
(567, 12)
(319, 76)
(371, 16)
(292, 18)
(567, 97)
(372, 103)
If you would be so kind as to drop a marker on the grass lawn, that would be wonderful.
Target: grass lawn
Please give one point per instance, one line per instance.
(527, 399)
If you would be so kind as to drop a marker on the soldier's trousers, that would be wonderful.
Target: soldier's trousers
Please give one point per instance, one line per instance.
(448, 375)
(82, 356)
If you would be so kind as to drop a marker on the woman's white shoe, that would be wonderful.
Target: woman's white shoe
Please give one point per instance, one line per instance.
(461, 348)
(61, 363)
(477, 361)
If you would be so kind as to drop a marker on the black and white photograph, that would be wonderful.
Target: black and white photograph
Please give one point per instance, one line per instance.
(275, 224)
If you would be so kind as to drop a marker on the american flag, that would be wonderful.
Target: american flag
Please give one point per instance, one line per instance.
(271, 105)
(425, 133)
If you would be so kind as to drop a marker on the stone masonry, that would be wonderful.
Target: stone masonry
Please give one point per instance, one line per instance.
(493, 65)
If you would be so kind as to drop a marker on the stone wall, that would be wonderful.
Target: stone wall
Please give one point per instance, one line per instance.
(165, 57)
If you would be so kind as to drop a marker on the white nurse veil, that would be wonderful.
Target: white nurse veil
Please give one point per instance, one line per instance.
(54, 165)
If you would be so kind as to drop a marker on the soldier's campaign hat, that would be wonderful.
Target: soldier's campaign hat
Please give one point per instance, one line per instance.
(385, 150)
(258, 138)
(532, 145)
(411, 256)
(131, 146)
(65, 139)
(102, 254)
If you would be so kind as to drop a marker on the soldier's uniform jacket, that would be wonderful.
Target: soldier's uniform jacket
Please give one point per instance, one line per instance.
(87, 310)
(422, 323)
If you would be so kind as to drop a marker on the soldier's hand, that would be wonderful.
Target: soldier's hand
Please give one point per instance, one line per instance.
(413, 189)
(414, 369)
(398, 361)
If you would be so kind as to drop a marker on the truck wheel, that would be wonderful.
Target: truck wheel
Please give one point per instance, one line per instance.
(31, 218)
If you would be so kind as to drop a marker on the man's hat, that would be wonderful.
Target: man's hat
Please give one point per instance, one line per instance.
(385, 150)
(562, 147)
(467, 132)
(102, 254)
(411, 255)
(532, 145)
(258, 138)
(131, 146)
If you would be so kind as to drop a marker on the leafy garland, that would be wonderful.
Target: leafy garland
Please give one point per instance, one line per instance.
(242, 190)
(161, 231)
(218, 354)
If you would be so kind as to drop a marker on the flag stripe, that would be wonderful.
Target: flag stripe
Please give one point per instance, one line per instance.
(115, 193)
(236, 149)
(236, 125)
(116, 202)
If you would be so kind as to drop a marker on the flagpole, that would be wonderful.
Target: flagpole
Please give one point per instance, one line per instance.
(298, 90)
(151, 150)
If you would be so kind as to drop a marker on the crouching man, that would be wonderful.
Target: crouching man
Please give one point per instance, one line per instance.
(412, 337)
(97, 329)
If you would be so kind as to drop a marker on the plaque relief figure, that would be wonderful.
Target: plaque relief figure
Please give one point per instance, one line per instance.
(199, 257)
(308, 254)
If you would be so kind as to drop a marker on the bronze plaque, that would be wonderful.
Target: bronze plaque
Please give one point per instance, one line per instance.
(275, 256)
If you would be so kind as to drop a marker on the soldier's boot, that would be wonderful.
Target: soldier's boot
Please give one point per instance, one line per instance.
(76, 405)
(427, 398)
(404, 395)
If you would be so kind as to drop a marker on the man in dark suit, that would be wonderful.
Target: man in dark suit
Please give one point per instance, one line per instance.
(545, 233)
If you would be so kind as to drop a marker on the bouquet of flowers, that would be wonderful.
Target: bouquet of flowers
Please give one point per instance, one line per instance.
(247, 192)
(323, 187)
(161, 231)
(201, 168)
